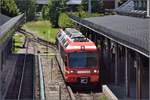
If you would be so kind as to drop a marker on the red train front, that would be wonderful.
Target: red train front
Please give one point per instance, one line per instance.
(80, 57)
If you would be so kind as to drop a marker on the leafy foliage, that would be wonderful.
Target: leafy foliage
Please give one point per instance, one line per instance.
(54, 12)
(28, 7)
(42, 29)
(64, 21)
(55, 8)
(84, 14)
(9, 7)
(97, 5)
(45, 12)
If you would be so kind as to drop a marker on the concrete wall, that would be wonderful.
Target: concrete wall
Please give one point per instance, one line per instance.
(5, 51)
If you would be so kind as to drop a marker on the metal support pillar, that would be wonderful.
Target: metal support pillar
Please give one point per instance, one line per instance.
(138, 77)
(5, 52)
(4, 56)
(95, 38)
(10, 47)
(126, 72)
(116, 64)
(87, 34)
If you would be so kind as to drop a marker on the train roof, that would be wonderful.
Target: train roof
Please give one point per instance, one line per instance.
(72, 39)
(81, 46)
(73, 33)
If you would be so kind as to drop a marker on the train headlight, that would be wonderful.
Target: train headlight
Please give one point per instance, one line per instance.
(95, 71)
(71, 71)
(67, 72)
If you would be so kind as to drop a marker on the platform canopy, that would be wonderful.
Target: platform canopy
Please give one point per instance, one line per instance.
(131, 32)
(3, 19)
(8, 27)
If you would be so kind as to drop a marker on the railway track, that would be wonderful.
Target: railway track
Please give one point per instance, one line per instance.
(22, 82)
(56, 83)
(87, 96)
(55, 86)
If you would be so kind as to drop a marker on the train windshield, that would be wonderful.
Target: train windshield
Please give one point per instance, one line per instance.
(82, 59)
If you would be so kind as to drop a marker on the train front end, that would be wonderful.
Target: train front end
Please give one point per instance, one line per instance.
(82, 64)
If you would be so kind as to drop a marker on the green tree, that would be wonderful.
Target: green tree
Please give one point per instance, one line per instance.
(9, 7)
(85, 5)
(80, 8)
(54, 12)
(28, 7)
(55, 8)
(45, 12)
(97, 5)
(64, 21)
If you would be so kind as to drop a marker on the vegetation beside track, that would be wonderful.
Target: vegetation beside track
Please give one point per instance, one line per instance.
(18, 41)
(103, 97)
(43, 29)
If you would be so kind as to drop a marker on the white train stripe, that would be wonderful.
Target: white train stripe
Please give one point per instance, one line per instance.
(79, 47)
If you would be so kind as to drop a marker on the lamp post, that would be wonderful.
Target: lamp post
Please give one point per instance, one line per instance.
(148, 8)
(116, 4)
(89, 6)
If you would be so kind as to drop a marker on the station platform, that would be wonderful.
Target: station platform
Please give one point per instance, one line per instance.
(7, 73)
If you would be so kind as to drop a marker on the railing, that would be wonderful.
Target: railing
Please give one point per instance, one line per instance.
(10, 26)
(42, 86)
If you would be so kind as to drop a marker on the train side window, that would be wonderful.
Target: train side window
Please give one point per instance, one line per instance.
(67, 33)
(63, 55)
(59, 34)
(63, 41)
(65, 59)
(66, 44)
(62, 38)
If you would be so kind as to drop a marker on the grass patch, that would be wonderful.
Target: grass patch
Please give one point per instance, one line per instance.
(18, 42)
(103, 97)
(42, 29)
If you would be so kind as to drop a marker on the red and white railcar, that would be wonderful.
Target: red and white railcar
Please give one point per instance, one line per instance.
(79, 55)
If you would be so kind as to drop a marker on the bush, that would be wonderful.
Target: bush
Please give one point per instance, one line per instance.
(45, 12)
(64, 21)
(54, 13)
(83, 14)
(28, 7)
(9, 8)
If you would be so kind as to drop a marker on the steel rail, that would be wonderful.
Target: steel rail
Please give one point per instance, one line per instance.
(42, 86)
(69, 90)
(22, 76)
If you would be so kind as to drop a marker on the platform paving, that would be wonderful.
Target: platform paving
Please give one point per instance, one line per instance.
(8, 73)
